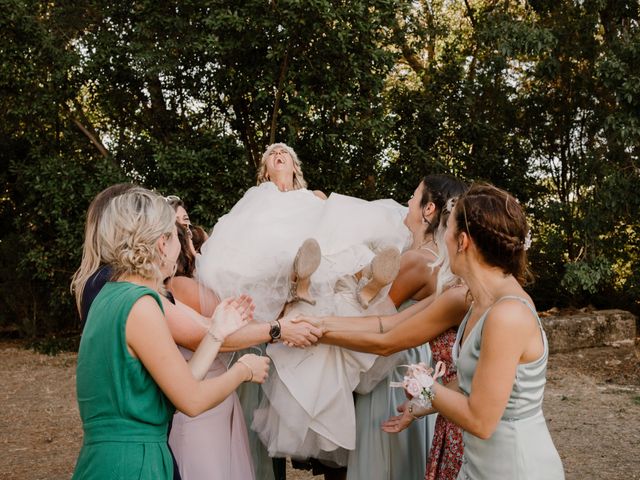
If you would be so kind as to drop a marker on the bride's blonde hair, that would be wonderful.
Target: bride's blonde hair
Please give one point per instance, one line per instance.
(129, 231)
(298, 179)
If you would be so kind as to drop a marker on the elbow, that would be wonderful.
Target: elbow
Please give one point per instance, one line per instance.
(485, 434)
(483, 430)
(189, 409)
(384, 350)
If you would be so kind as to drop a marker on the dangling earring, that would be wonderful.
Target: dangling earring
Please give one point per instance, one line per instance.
(164, 258)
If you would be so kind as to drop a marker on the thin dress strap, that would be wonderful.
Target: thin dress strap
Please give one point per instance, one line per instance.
(525, 301)
(435, 254)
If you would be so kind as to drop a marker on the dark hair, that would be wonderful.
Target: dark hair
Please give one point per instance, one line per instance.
(199, 237)
(496, 222)
(438, 189)
(186, 262)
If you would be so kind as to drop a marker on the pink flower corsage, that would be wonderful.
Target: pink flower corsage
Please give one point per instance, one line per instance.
(418, 381)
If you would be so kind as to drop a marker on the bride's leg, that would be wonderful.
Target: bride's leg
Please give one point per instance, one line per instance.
(306, 262)
(381, 272)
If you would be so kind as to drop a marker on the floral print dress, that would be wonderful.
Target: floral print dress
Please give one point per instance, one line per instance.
(445, 456)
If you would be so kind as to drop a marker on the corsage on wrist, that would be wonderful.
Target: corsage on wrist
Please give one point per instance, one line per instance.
(418, 381)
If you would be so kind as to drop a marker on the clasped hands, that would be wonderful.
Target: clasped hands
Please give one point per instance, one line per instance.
(234, 313)
(300, 331)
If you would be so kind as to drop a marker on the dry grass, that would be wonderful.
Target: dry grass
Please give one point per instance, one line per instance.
(592, 406)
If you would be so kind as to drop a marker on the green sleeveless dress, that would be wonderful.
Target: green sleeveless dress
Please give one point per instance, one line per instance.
(124, 413)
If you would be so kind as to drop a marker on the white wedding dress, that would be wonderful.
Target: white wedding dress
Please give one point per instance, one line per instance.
(308, 409)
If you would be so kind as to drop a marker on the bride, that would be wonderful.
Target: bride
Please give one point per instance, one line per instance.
(308, 409)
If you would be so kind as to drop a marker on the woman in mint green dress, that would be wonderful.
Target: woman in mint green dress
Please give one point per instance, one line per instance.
(404, 455)
(501, 350)
(130, 375)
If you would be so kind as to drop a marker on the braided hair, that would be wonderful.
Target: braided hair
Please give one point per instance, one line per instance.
(496, 222)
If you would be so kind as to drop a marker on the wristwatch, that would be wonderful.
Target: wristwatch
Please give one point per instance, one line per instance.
(275, 331)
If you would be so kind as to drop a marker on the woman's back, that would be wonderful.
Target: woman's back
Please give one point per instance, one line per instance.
(124, 414)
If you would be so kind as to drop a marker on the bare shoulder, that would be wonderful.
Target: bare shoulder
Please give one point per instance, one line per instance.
(145, 308)
(183, 282)
(512, 314)
(417, 260)
(320, 194)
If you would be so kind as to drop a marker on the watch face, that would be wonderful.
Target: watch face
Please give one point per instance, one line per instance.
(275, 331)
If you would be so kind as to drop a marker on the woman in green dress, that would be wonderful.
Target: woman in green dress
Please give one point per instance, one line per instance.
(130, 375)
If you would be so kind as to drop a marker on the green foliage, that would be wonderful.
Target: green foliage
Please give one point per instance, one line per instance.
(586, 276)
(540, 98)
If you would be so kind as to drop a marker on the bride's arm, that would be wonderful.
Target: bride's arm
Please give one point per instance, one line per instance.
(446, 311)
(320, 194)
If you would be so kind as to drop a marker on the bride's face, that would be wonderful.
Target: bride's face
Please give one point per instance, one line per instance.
(279, 162)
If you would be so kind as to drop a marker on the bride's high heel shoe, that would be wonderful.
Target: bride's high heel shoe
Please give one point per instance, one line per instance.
(306, 262)
(381, 272)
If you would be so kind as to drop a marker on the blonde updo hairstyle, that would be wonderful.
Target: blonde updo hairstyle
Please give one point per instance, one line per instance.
(92, 249)
(129, 231)
(298, 179)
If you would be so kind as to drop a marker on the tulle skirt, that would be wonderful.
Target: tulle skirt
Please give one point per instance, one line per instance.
(251, 249)
(307, 409)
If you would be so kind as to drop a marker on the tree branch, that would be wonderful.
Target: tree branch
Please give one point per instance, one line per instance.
(85, 126)
(279, 91)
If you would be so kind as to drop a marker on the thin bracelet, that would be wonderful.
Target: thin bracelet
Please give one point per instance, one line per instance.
(214, 336)
(250, 371)
(410, 410)
(380, 324)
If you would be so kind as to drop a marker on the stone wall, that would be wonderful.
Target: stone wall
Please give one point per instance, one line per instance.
(585, 330)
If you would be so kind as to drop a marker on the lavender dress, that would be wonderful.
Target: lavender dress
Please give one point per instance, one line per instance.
(214, 445)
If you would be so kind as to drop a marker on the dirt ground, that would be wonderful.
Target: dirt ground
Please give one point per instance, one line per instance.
(592, 406)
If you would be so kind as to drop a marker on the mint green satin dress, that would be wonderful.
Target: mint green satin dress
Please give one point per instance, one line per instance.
(521, 447)
(124, 413)
(389, 456)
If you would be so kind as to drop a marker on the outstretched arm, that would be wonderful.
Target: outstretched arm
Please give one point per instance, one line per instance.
(188, 328)
(445, 312)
